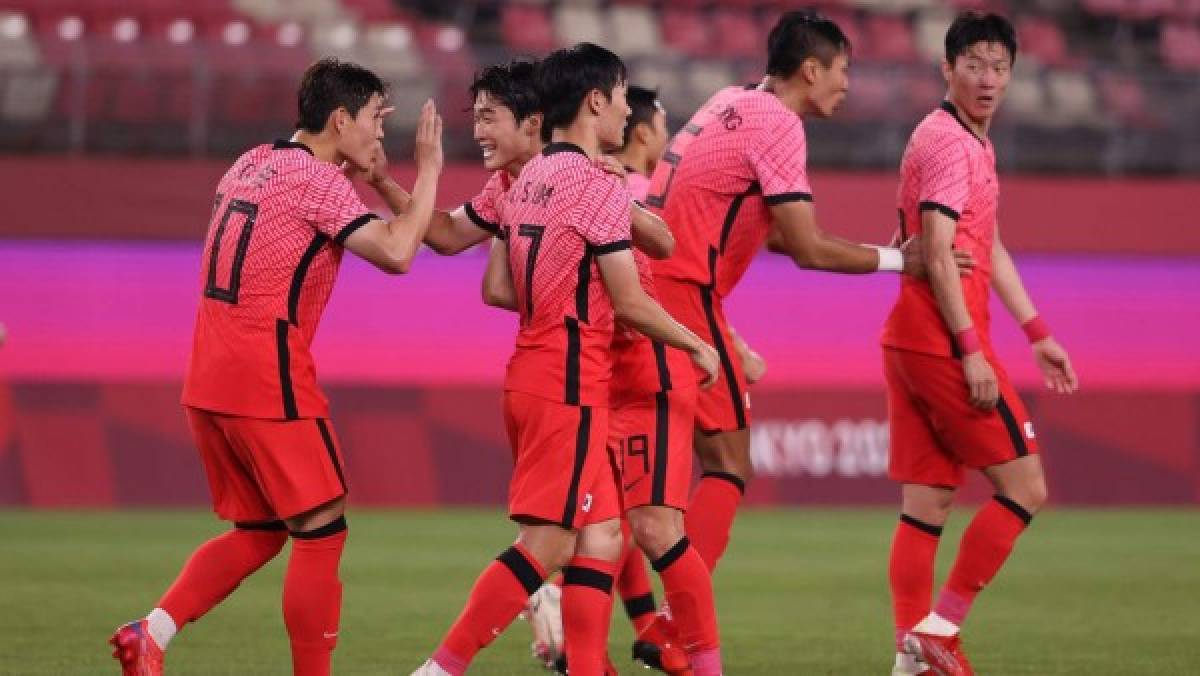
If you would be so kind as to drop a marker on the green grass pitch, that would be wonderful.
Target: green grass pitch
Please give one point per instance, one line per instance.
(800, 592)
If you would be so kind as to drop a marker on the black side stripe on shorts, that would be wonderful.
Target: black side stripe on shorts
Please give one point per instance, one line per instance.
(285, 370)
(583, 437)
(521, 568)
(1014, 428)
(660, 361)
(582, 576)
(658, 491)
(332, 450)
(727, 372)
(571, 372)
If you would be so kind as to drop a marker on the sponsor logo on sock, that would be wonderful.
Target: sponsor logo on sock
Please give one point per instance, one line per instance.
(330, 634)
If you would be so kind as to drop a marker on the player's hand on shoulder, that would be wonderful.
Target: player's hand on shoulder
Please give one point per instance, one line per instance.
(981, 381)
(1056, 366)
(428, 153)
(610, 165)
(708, 361)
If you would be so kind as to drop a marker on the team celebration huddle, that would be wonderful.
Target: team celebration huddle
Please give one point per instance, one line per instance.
(616, 245)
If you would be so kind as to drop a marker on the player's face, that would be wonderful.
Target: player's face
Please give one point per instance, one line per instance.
(613, 113)
(359, 135)
(498, 134)
(978, 79)
(832, 83)
(656, 143)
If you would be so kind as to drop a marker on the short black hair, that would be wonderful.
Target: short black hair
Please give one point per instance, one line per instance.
(512, 84)
(798, 36)
(644, 104)
(330, 84)
(565, 77)
(970, 28)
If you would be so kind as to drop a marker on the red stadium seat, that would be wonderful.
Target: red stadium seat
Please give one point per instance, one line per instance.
(527, 28)
(1042, 39)
(736, 33)
(1124, 97)
(889, 38)
(686, 30)
(1180, 45)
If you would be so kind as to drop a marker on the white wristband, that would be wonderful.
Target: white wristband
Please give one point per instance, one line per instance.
(890, 259)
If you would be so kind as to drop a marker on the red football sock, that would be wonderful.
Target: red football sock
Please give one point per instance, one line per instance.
(586, 612)
(687, 584)
(633, 584)
(312, 597)
(496, 599)
(985, 546)
(217, 567)
(910, 572)
(710, 515)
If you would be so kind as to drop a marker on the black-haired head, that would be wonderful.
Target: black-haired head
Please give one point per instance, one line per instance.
(971, 28)
(643, 106)
(798, 36)
(511, 84)
(330, 84)
(567, 76)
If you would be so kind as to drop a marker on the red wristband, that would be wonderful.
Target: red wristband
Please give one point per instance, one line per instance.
(968, 341)
(1036, 329)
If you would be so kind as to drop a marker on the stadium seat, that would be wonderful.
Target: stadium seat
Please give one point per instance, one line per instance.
(1180, 45)
(577, 21)
(372, 11)
(1073, 99)
(929, 33)
(1042, 39)
(735, 33)
(526, 28)
(17, 46)
(634, 30)
(1026, 98)
(1124, 98)
(685, 30)
(889, 38)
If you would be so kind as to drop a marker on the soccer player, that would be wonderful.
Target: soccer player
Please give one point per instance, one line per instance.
(282, 216)
(566, 222)
(734, 173)
(950, 403)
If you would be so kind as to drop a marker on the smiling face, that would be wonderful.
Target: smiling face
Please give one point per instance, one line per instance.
(612, 113)
(359, 135)
(503, 141)
(978, 79)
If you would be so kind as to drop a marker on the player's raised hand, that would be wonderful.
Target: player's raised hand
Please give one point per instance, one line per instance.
(428, 152)
(707, 359)
(1056, 366)
(981, 381)
(914, 259)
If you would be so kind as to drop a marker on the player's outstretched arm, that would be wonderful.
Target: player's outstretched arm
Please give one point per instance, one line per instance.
(1051, 358)
(391, 245)
(498, 289)
(634, 308)
(799, 236)
(650, 233)
(452, 232)
(946, 282)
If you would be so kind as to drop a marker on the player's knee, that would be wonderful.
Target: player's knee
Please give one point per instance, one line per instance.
(654, 534)
(1032, 494)
(601, 540)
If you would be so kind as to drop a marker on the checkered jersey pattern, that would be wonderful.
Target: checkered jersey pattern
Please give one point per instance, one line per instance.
(741, 153)
(560, 214)
(271, 256)
(945, 168)
(481, 209)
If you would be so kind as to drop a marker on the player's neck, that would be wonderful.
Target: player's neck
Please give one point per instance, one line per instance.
(979, 127)
(323, 148)
(514, 169)
(636, 158)
(580, 134)
(790, 92)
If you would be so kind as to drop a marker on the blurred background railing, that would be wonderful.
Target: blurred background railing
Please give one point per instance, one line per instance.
(1102, 86)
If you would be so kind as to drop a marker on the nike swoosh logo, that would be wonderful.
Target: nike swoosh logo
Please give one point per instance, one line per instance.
(629, 486)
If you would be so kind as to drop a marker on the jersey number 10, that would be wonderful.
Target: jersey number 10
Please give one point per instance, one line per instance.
(225, 272)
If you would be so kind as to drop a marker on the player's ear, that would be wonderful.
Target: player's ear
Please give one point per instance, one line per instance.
(810, 69)
(947, 70)
(595, 101)
(532, 125)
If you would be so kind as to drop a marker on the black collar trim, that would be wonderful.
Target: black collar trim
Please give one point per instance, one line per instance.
(562, 147)
(281, 144)
(949, 108)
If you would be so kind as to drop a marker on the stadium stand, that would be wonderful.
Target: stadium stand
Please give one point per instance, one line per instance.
(204, 77)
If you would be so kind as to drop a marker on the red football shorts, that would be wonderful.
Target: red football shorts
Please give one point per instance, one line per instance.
(651, 436)
(936, 432)
(562, 470)
(724, 407)
(262, 470)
